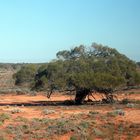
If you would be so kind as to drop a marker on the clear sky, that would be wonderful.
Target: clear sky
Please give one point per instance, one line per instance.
(34, 30)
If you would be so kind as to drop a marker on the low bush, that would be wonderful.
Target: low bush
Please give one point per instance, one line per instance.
(15, 110)
(97, 132)
(93, 112)
(73, 138)
(84, 124)
(116, 113)
(125, 101)
(4, 116)
(130, 105)
(47, 112)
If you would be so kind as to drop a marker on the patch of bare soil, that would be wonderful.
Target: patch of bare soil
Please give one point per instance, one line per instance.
(12, 98)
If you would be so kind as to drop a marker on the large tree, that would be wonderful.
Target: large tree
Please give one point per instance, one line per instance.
(97, 68)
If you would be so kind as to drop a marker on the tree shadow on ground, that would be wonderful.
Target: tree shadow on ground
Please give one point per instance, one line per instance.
(48, 103)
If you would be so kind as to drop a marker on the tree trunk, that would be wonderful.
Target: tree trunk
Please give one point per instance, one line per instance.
(81, 95)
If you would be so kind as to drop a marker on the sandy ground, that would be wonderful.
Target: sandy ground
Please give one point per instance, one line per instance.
(31, 107)
(12, 98)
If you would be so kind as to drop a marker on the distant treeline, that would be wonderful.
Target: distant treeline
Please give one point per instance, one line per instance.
(17, 66)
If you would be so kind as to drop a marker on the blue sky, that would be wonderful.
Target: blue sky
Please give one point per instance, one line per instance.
(34, 30)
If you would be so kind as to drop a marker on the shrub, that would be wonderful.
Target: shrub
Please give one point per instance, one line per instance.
(2, 138)
(119, 112)
(125, 101)
(25, 75)
(47, 112)
(130, 105)
(93, 112)
(97, 132)
(73, 138)
(4, 116)
(61, 126)
(116, 112)
(15, 110)
(84, 124)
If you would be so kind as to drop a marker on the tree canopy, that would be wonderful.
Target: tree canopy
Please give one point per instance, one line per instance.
(96, 67)
(26, 74)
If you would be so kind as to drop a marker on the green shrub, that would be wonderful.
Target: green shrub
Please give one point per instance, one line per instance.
(2, 138)
(73, 138)
(84, 124)
(93, 112)
(15, 110)
(4, 116)
(47, 112)
(130, 105)
(97, 132)
(125, 101)
(25, 75)
(116, 113)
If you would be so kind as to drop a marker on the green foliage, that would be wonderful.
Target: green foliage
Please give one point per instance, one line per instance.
(72, 54)
(136, 77)
(42, 68)
(125, 101)
(3, 117)
(84, 124)
(25, 75)
(97, 132)
(73, 138)
(116, 113)
(99, 66)
(138, 63)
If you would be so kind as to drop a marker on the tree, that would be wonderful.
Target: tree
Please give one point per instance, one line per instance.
(25, 76)
(98, 68)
